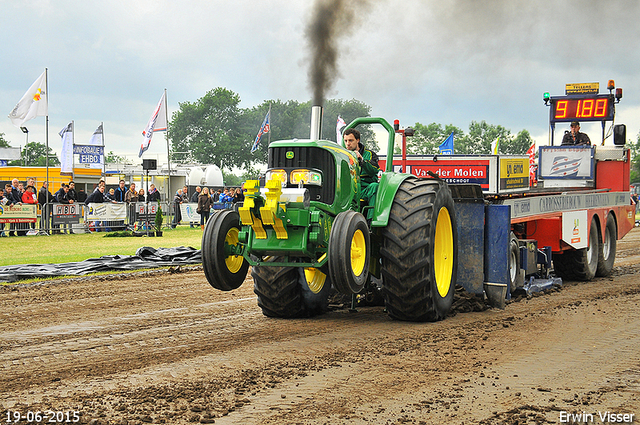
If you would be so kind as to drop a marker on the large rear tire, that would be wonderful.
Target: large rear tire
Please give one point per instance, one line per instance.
(290, 292)
(349, 252)
(420, 252)
(222, 270)
(580, 264)
(607, 252)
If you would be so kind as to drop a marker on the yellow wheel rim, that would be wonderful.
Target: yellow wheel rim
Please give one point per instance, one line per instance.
(233, 262)
(358, 252)
(315, 279)
(443, 252)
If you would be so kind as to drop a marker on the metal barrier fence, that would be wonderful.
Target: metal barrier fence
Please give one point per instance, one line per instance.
(101, 217)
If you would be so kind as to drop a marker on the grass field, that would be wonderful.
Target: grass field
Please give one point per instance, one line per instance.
(68, 248)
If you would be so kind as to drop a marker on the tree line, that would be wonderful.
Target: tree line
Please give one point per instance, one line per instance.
(215, 130)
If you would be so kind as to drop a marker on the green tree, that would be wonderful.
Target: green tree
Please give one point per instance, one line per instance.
(427, 138)
(292, 120)
(518, 145)
(481, 135)
(207, 130)
(116, 159)
(33, 154)
(4, 143)
(635, 160)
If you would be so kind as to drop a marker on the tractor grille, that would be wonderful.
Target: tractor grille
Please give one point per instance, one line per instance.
(308, 157)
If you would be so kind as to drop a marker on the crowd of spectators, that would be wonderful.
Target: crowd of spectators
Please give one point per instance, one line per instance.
(220, 199)
(27, 193)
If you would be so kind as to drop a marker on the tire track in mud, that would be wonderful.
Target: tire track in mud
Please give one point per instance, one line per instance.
(170, 349)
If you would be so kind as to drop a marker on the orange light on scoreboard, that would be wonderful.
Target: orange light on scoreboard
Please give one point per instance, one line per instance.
(583, 109)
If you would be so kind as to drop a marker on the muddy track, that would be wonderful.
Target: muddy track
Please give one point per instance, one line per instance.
(166, 348)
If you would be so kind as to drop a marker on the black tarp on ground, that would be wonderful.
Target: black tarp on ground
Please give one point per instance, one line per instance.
(145, 258)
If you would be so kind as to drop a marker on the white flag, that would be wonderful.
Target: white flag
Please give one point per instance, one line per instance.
(157, 122)
(33, 103)
(339, 125)
(66, 157)
(96, 138)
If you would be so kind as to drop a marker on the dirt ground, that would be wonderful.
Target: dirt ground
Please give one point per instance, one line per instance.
(165, 347)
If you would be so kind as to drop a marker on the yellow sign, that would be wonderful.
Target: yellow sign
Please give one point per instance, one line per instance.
(514, 173)
(582, 88)
(23, 213)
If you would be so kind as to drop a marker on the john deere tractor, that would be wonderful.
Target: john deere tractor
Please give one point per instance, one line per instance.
(306, 230)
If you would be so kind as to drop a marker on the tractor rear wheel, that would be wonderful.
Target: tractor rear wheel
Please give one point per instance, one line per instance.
(607, 252)
(290, 292)
(223, 270)
(349, 252)
(420, 251)
(580, 264)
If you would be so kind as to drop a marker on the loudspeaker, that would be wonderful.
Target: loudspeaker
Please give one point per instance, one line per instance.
(149, 164)
(619, 134)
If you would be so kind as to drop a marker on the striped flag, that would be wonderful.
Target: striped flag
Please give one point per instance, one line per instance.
(157, 122)
(264, 129)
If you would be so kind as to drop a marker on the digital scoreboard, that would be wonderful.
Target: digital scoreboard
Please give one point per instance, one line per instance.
(582, 108)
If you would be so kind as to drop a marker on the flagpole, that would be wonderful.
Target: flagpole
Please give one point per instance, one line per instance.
(73, 142)
(166, 136)
(269, 125)
(104, 157)
(46, 138)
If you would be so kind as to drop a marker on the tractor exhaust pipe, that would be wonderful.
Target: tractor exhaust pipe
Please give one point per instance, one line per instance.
(316, 122)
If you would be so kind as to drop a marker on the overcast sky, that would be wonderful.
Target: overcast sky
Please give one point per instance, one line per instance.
(442, 61)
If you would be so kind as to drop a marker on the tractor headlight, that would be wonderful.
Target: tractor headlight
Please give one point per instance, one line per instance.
(306, 177)
(277, 174)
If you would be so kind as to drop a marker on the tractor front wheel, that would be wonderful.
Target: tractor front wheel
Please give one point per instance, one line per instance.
(349, 252)
(420, 251)
(290, 292)
(223, 269)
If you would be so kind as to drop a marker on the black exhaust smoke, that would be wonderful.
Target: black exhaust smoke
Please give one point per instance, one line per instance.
(329, 20)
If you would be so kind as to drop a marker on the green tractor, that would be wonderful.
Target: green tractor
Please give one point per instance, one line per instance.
(306, 230)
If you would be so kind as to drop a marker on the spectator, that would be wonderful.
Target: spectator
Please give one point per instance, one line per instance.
(3, 202)
(72, 191)
(154, 195)
(238, 196)
(141, 197)
(82, 195)
(196, 194)
(216, 196)
(204, 207)
(177, 215)
(62, 196)
(28, 198)
(96, 197)
(120, 192)
(111, 195)
(131, 195)
(45, 198)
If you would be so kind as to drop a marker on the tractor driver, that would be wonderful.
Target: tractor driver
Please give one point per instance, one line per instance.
(574, 137)
(368, 167)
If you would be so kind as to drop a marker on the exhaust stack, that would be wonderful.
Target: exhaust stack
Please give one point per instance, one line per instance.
(316, 122)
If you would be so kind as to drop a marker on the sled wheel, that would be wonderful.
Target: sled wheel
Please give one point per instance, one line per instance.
(607, 252)
(515, 275)
(348, 251)
(420, 251)
(286, 292)
(222, 269)
(580, 264)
